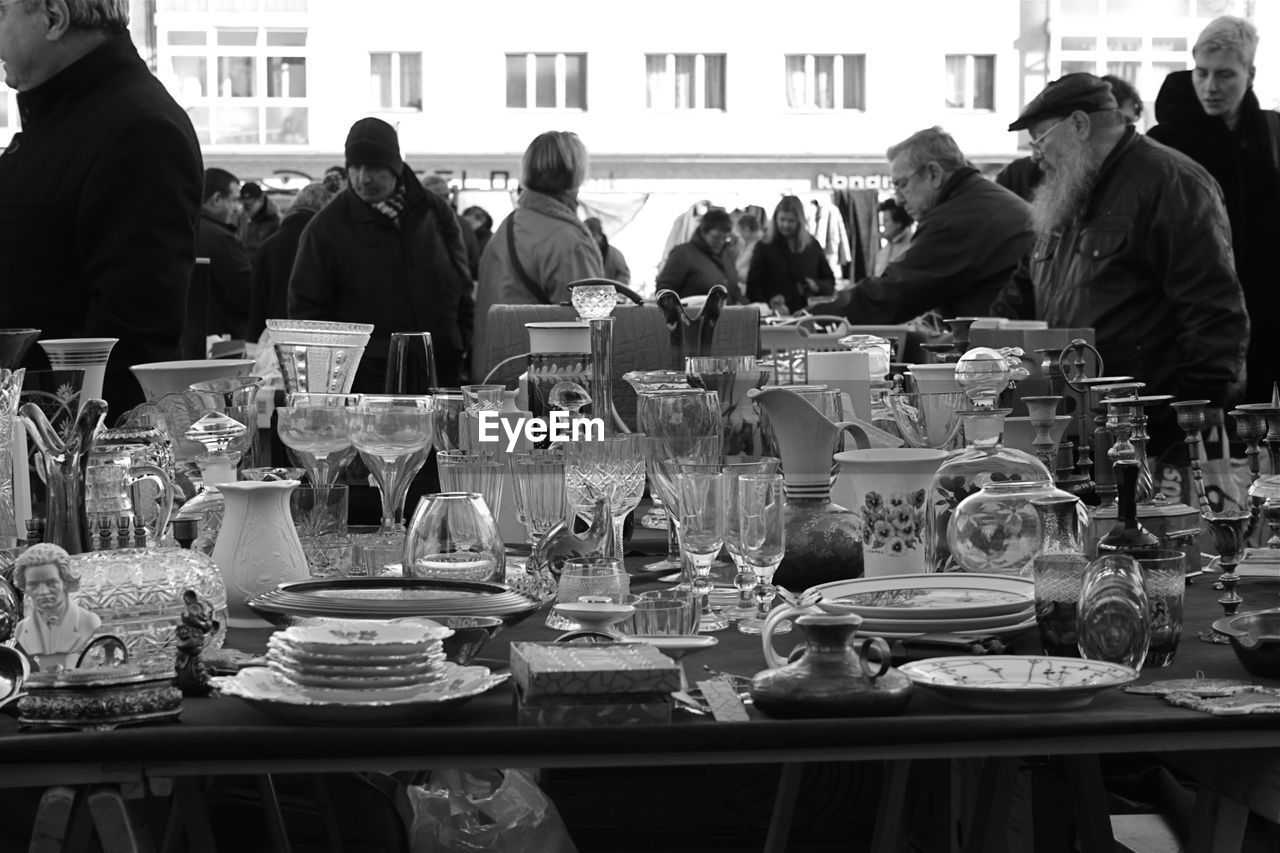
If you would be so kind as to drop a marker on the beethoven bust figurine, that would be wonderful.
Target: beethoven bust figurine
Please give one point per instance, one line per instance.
(55, 627)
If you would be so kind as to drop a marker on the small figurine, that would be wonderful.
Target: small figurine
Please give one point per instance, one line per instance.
(56, 629)
(190, 673)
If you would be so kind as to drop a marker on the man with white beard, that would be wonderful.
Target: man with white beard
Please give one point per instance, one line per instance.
(1132, 239)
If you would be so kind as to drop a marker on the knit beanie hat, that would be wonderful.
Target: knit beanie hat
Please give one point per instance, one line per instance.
(373, 142)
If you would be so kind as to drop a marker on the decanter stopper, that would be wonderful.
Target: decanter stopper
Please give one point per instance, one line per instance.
(185, 531)
(983, 374)
(216, 432)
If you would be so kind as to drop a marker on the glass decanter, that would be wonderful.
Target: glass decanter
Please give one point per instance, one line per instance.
(216, 431)
(983, 374)
(1058, 570)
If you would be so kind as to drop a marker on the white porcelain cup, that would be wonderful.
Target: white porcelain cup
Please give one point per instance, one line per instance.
(889, 488)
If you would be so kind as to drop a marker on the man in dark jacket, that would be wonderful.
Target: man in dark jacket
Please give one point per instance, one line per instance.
(230, 274)
(1132, 239)
(385, 251)
(970, 236)
(99, 193)
(258, 219)
(273, 264)
(1212, 115)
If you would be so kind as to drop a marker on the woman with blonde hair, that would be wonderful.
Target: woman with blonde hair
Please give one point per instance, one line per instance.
(543, 245)
(789, 267)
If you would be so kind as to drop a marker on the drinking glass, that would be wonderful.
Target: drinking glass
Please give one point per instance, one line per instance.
(411, 363)
(537, 482)
(320, 436)
(392, 435)
(612, 467)
(453, 536)
(333, 463)
(603, 577)
(461, 471)
(678, 422)
(761, 509)
(483, 396)
(320, 516)
(449, 403)
(1164, 580)
(701, 532)
(1112, 617)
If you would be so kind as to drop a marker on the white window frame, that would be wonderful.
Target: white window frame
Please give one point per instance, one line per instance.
(562, 80)
(811, 82)
(698, 91)
(970, 62)
(396, 105)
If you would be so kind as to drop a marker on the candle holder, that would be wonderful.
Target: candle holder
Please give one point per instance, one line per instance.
(960, 335)
(1147, 491)
(1230, 531)
(1080, 364)
(1042, 412)
(1270, 412)
(1251, 426)
(1192, 418)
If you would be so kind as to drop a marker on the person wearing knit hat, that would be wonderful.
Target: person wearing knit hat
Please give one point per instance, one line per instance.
(1133, 241)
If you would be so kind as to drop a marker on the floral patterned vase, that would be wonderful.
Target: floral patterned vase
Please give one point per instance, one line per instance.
(888, 487)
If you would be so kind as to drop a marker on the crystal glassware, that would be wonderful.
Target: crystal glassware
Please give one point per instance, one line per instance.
(537, 484)
(762, 507)
(612, 466)
(411, 363)
(1164, 580)
(928, 420)
(216, 432)
(392, 435)
(701, 532)
(446, 414)
(731, 377)
(317, 355)
(589, 577)
(320, 517)
(996, 530)
(1058, 571)
(1112, 622)
(320, 436)
(461, 471)
(594, 301)
(453, 536)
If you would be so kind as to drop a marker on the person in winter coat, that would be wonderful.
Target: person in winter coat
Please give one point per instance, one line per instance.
(542, 246)
(968, 240)
(615, 265)
(230, 273)
(693, 268)
(789, 267)
(99, 192)
(1212, 115)
(273, 264)
(258, 220)
(387, 252)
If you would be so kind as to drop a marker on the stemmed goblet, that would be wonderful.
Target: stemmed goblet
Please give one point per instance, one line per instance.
(701, 532)
(762, 536)
(316, 429)
(537, 484)
(392, 434)
(611, 466)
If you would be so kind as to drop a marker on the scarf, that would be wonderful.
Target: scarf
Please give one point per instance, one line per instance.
(393, 206)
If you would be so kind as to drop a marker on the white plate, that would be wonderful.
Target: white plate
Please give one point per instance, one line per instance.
(674, 646)
(980, 625)
(358, 686)
(359, 638)
(1006, 631)
(1016, 683)
(952, 595)
(274, 695)
(341, 658)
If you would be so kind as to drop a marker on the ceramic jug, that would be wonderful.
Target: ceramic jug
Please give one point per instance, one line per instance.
(824, 539)
(836, 675)
(258, 547)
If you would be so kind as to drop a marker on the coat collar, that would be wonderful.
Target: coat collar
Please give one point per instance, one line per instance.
(80, 79)
(414, 196)
(556, 207)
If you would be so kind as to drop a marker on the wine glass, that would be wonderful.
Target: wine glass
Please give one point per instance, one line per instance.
(537, 483)
(448, 406)
(333, 463)
(701, 533)
(611, 466)
(392, 435)
(761, 510)
(320, 435)
(679, 422)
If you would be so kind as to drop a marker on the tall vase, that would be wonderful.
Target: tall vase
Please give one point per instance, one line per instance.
(10, 391)
(258, 546)
(62, 466)
(887, 487)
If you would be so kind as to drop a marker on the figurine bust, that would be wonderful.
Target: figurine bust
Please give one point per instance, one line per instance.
(197, 622)
(55, 629)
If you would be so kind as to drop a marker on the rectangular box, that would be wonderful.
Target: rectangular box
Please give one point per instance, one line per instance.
(633, 709)
(548, 669)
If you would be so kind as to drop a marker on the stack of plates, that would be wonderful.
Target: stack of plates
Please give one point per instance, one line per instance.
(901, 606)
(390, 598)
(356, 656)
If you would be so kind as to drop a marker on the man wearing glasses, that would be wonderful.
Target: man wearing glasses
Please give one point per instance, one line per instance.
(99, 193)
(1132, 239)
(970, 236)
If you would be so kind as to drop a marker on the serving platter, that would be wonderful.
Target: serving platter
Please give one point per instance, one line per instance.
(981, 625)
(389, 598)
(1017, 683)
(951, 595)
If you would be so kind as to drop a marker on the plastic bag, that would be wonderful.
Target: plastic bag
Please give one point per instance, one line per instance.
(485, 810)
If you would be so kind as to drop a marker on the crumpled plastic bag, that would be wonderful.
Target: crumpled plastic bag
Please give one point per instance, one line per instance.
(467, 811)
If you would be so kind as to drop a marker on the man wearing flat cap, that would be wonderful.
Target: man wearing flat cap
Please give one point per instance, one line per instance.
(258, 218)
(1132, 239)
(386, 252)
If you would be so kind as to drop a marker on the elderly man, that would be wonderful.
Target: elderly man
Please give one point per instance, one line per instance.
(969, 237)
(387, 252)
(1132, 239)
(99, 193)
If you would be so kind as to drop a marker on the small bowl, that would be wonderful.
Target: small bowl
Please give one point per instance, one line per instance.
(1256, 638)
(470, 635)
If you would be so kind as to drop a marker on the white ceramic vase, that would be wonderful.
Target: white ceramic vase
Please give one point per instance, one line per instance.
(889, 488)
(258, 546)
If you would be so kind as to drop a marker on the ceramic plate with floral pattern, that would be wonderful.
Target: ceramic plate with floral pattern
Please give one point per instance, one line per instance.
(953, 595)
(1017, 683)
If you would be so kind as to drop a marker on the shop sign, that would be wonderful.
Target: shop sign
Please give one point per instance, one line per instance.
(832, 181)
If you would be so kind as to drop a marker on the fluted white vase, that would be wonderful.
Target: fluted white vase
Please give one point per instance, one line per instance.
(257, 547)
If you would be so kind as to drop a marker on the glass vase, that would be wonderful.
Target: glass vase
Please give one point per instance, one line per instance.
(1058, 570)
(1113, 622)
(984, 459)
(453, 537)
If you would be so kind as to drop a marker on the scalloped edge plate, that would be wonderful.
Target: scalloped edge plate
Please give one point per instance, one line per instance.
(979, 595)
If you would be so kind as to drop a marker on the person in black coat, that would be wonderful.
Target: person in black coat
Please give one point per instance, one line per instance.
(790, 266)
(1212, 115)
(273, 264)
(99, 193)
(230, 274)
(707, 259)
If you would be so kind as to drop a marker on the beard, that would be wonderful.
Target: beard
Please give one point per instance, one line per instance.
(1065, 190)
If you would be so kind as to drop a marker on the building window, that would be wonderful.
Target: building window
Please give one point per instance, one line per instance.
(547, 81)
(826, 82)
(684, 81)
(971, 82)
(395, 81)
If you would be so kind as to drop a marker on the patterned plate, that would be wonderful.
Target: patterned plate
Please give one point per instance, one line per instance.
(981, 625)
(1015, 683)
(953, 595)
(362, 638)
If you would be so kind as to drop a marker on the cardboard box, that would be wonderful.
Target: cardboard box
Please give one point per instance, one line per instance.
(548, 669)
(629, 709)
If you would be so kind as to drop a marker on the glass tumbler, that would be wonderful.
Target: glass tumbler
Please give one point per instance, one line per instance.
(1112, 621)
(1165, 582)
(604, 577)
(461, 471)
(537, 481)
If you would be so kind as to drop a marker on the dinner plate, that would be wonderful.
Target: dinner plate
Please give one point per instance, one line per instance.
(1015, 683)
(419, 659)
(951, 595)
(950, 626)
(1005, 631)
(389, 598)
(361, 684)
(360, 638)
(341, 666)
(267, 691)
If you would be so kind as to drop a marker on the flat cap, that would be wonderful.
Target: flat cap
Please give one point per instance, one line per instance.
(1062, 97)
